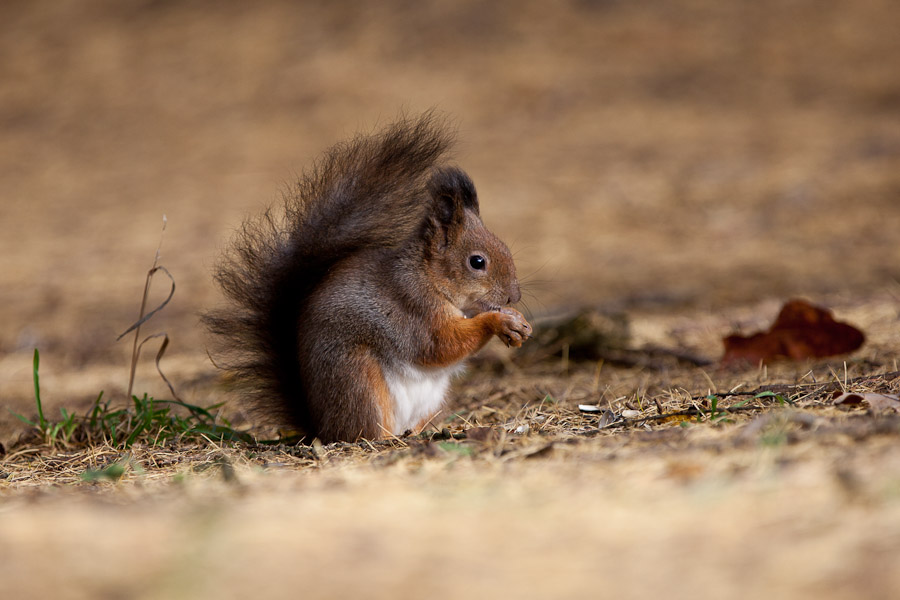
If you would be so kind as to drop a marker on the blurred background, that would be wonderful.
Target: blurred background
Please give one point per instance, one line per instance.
(637, 155)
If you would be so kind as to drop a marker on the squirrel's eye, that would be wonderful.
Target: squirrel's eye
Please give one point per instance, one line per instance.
(477, 262)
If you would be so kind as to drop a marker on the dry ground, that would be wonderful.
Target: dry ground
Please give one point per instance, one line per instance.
(688, 164)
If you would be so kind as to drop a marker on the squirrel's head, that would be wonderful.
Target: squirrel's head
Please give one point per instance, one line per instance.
(468, 264)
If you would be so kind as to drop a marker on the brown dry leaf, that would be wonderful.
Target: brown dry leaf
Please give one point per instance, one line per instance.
(877, 402)
(801, 331)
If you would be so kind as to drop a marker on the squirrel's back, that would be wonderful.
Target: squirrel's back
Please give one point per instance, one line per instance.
(362, 194)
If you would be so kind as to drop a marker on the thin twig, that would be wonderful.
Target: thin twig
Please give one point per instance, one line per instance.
(797, 388)
(693, 412)
(141, 318)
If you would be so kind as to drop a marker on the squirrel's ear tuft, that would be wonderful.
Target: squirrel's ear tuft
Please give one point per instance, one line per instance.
(452, 192)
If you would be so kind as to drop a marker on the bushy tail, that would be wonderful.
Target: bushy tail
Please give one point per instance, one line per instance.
(367, 192)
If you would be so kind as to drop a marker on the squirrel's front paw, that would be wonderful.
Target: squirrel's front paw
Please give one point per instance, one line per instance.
(513, 328)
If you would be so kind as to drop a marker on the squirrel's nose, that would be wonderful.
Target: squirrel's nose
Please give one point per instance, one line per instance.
(515, 294)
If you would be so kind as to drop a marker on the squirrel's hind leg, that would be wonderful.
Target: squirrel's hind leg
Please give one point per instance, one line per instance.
(353, 398)
(380, 396)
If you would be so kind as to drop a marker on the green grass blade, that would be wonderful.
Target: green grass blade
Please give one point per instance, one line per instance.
(37, 391)
(23, 419)
(192, 408)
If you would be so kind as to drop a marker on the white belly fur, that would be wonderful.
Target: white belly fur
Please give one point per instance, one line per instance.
(418, 393)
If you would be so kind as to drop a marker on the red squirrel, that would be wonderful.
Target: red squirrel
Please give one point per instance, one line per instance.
(349, 311)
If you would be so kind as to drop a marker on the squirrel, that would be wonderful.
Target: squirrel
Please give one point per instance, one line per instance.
(349, 311)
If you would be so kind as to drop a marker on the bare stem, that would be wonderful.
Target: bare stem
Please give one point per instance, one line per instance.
(137, 331)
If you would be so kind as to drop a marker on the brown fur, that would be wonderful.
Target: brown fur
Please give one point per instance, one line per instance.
(367, 271)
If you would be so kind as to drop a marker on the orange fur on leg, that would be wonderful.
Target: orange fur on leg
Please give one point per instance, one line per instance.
(457, 338)
(384, 402)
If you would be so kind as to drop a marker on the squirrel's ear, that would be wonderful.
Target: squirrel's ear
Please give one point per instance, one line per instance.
(452, 192)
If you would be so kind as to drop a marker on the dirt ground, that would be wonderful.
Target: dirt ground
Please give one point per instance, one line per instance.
(683, 166)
